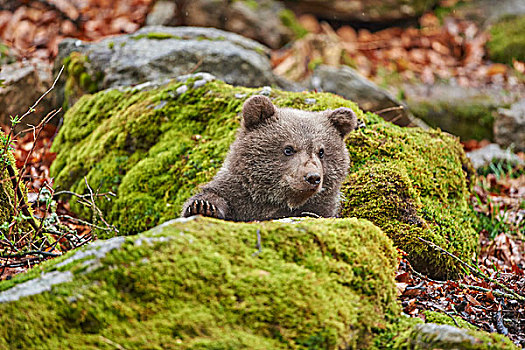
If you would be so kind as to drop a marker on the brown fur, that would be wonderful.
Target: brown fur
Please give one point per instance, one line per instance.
(274, 168)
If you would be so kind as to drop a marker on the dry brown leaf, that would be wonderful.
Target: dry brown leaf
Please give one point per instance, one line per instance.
(400, 287)
(472, 300)
(310, 23)
(347, 33)
(519, 66)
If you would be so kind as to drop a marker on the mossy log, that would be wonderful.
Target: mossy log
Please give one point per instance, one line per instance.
(154, 148)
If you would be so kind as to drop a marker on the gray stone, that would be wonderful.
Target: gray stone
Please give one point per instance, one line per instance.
(35, 286)
(199, 83)
(155, 53)
(95, 251)
(348, 83)
(486, 12)
(24, 83)
(162, 13)
(490, 153)
(259, 20)
(181, 89)
(431, 336)
(465, 112)
(509, 127)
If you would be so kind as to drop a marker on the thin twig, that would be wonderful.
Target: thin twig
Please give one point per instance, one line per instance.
(486, 290)
(85, 223)
(449, 314)
(258, 245)
(32, 252)
(389, 109)
(474, 270)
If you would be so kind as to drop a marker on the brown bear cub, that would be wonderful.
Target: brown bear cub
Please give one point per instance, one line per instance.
(284, 162)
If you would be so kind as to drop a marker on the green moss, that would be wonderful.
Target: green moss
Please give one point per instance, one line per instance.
(315, 284)
(431, 336)
(154, 148)
(442, 318)
(507, 42)
(6, 54)
(13, 224)
(289, 20)
(155, 36)
(79, 80)
(411, 184)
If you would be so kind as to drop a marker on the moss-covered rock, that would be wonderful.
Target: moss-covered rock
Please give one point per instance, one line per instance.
(202, 283)
(79, 78)
(411, 184)
(507, 42)
(465, 112)
(199, 284)
(434, 336)
(154, 148)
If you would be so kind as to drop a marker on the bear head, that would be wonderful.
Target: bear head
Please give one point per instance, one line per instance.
(288, 156)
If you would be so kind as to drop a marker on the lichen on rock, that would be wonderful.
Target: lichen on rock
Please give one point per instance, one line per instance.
(154, 148)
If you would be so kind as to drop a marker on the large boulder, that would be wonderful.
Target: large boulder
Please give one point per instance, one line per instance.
(362, 10)
(266, 21)
(509, 127)
(23, 84)
(154, 53)
(154, 148)
(203, 284)
(465, 112)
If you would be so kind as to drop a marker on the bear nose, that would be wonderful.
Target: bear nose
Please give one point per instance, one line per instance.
(313, 178)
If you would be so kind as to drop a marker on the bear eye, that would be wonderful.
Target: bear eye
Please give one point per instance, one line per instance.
(321, 153)
(288, 151)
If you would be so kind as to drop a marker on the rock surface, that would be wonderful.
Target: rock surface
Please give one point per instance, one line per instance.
(466, 112)
(487, 12)
(155, 147)
(154, 53)
(362, 10)
(260, 20)
(433, 336)
(24, 83)
(348, 83)
(199, 283)
(484, 156)
(509, 127)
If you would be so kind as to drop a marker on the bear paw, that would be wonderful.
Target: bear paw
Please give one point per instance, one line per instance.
(204, 208)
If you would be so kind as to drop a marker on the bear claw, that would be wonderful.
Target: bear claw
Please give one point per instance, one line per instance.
(204, 208)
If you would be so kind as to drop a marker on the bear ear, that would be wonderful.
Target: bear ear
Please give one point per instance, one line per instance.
(343, 119)
(257, 109)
